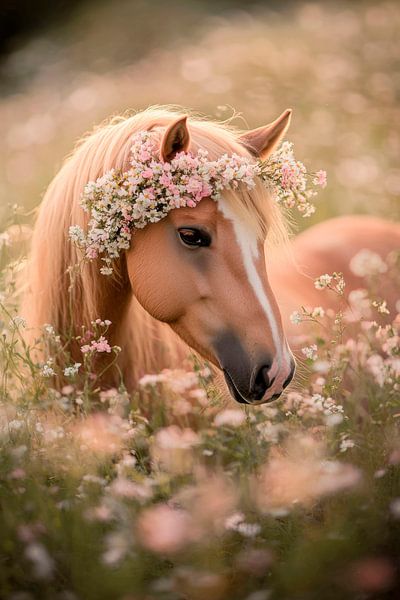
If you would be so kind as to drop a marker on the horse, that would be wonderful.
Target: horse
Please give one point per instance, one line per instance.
(201, 277)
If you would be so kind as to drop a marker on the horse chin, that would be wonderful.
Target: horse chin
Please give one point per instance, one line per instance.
(235, 393)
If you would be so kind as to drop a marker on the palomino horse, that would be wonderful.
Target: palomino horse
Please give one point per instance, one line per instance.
(198, 276)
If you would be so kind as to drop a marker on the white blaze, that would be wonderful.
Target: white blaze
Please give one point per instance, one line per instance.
(249, 248)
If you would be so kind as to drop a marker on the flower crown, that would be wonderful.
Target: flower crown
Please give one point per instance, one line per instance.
(119, 202)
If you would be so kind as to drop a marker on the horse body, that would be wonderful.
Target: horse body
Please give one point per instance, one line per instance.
(329, 247)
(199, 276)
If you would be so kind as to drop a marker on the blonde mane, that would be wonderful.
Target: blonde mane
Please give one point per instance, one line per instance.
(50, 298)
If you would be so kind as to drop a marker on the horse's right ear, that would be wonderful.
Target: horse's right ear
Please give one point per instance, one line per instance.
(261, 142)
(176, 139)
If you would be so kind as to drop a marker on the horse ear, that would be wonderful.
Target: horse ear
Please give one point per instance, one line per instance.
(262, 141)
(176, 139)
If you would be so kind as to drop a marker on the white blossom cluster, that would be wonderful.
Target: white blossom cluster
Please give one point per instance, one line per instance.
(119, 202)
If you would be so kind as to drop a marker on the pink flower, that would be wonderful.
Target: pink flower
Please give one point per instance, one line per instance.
(147, 174)
(320, 179)
(165, 530)
(101, 345)
(91, 252)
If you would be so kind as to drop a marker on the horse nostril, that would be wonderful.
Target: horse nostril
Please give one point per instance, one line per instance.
(261, 382)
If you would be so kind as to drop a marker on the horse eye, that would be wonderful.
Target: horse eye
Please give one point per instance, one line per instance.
(194, 238)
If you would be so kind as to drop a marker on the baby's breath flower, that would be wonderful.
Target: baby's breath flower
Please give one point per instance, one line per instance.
(323, 281)
(310, 352)
(367, 263)
(47, 369)
(295, 318)
(72, 370)
(318, 312)
(381, 306)
(346, 443)
(119, 202)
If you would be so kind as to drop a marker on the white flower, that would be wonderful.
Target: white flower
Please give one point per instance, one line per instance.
(49, 329)
(367, 263)
(381, 306)
(72, 370)
(119, 202)
(318, 312)
(76, 235)
(47, 370)
(346, 443)
(295, 318)
(231, 417)
(5, 239)
(323, 281)
(310, 352)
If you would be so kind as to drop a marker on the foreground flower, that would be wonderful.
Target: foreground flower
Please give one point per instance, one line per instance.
(310, 352)
(230, 417)
(367, 263)
(302, 478)
(165, 530)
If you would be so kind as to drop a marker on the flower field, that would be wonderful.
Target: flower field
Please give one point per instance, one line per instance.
(172, 493)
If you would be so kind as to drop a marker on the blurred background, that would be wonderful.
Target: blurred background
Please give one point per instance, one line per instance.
(67, 65)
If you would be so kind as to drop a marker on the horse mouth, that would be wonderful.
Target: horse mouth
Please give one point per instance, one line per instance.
(238, 396)
(233, 389)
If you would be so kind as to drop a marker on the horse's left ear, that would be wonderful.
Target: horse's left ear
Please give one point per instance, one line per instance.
(176, 139)
(262, 141)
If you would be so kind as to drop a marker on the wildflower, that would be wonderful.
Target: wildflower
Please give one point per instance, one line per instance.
(230, 417)
(99, 433)
(119, 201)
(100, 345)
(367, 263)
(5, 239)
(323, 281)
(42, 563)
(76, 235)
(47, 369)
(49, 329)
(346, 443)
(320, 178)
(295, 318)
(72, 371)
(318, 312)
(165, 530)
(381, 306)
(15, 425)
(333, 282)
(310, 352)
(117, 547)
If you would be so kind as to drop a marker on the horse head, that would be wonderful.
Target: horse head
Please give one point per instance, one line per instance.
(203, 271)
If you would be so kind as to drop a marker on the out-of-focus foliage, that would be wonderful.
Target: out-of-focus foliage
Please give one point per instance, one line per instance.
(167, 495)
(170, 495)
(335, 64)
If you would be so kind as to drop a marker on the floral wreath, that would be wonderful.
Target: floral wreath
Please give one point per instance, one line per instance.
(118, 202)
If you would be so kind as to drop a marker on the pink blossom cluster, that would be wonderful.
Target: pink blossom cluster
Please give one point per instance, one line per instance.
(100, 345)
(119, 202)
(288, 180)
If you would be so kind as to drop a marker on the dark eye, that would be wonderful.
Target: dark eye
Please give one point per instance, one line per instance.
(194, 238)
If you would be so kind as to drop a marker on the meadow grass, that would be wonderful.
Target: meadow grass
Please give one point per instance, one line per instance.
(168, 493)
